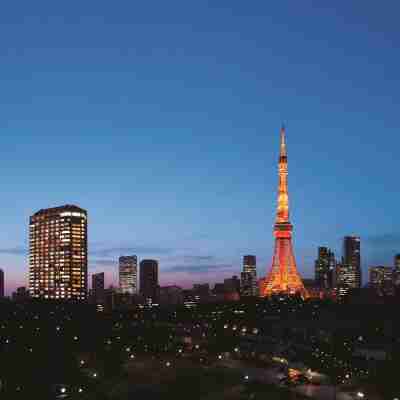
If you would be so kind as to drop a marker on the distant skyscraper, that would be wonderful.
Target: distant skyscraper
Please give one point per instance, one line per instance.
(325, 267)
(397, 261)
(381, 279)
(58, 253)
(21, 294)
(232, 284)
(1, 283)
(98, 293)
(396, 270)
(149, 279)
(352, 260)
(128, 274)
(249, 284)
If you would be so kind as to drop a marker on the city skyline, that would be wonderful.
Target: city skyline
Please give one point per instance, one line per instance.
(164, 129)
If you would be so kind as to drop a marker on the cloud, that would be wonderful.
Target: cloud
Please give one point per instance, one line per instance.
(104, 262)
(15, 251)
(385, 240)
(126, 250)
(197, 259)
(199, 268)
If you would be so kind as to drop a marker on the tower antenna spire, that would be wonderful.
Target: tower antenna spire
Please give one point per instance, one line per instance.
(283, 141)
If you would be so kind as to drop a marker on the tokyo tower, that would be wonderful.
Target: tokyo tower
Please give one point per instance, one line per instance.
(283, 276)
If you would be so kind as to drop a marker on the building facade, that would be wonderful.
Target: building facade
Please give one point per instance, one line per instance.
(249, 284)
(98, 285)
(171, 295)
(325, 268)
(381, 280)
(352, 259)
(396, 271)
(58, 253)
(149, 280)
(1, 283)
(128, 274)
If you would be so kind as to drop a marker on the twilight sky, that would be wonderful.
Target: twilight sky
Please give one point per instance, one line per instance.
(162, 118)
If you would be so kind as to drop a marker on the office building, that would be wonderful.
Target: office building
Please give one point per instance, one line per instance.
(396, 270)
(149, 280)
(381, 279)
(232, 285)
(98, 292)
(249, 284)
(128, 274)
(201, 291)
(1, 283)
(325, 267)
(21, 294)
(346, 278)
(352, 260)
(171, 295)
(58, 253)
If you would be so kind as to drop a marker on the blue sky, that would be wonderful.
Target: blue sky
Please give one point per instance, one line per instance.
(162, 120)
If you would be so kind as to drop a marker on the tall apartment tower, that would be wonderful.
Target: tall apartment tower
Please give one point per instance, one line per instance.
(325, 267)
(149, 279)
(1, 283)
(249, 284)
(98, 292)
(58, 253)
(128, 274)
(349, 270)
(352, 259)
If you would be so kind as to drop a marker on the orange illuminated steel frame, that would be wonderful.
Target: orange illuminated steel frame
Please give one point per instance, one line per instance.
(283, 276)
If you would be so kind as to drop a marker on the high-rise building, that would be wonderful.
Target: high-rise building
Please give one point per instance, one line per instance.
(325, 267)
(1, 283)
(58, 253)
(128, 274)
(283, 276)
(381, 279)
(232, 285)
(352, 259)
(396, 270)
(348, 272)
(249, 285)
(149, 280)
(397, 261)
(98, 294)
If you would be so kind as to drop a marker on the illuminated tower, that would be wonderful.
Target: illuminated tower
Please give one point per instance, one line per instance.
(58, 253)
(128, 274)
(283, 276)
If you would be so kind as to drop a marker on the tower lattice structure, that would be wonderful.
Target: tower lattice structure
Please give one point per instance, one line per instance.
(283, 276)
